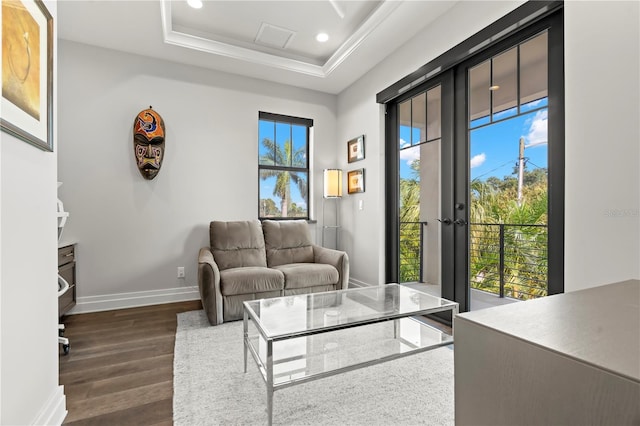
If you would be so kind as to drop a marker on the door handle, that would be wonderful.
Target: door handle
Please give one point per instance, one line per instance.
(445, 221)
(460, 222)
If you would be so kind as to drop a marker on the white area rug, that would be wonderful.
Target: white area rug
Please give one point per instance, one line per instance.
(210, 387)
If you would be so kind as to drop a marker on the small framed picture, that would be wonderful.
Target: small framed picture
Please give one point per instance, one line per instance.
(355, 181)
(355, 149)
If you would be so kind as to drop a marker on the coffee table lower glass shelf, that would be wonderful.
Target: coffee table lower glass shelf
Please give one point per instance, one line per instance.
(295, 339)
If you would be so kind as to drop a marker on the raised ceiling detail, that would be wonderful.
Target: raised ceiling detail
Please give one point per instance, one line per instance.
(215, 29)
(271, 35)
(222, 35)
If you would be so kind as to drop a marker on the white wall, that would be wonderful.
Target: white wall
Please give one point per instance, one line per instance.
(602, 220)
(29, 391)
(602, 137)
(132, 233)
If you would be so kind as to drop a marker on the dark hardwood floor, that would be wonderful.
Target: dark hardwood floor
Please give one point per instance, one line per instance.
(120, 367)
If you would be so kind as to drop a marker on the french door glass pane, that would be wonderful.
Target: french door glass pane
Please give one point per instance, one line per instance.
(508, 170)
(533, 69)
(504, 85)
(418, 119)
(434, 113)
(508, 214)
(480, 93)
(420, 189)
(404, 119)
(410, 250)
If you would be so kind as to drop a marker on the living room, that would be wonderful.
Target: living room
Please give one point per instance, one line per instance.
(131, 234)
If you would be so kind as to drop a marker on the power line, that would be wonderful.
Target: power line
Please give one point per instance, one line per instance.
(535, 165)
(497, 168)
(527, 161)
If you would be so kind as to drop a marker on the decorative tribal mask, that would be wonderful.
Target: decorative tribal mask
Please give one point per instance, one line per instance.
(148, 142)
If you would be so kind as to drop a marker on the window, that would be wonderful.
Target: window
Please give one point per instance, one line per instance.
(283, 166)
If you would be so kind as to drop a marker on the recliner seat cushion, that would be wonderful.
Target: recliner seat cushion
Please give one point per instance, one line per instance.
(287, 241)
(250, 279)
(302, 275)
(237, 244)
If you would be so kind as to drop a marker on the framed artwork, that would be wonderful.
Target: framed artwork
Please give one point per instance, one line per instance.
(355, 181)
(27, 72)
(355, 149)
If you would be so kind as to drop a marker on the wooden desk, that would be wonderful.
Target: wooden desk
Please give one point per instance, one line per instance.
(570, 359)
(67, 270)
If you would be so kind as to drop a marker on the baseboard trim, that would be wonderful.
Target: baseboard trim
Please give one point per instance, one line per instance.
(109, 302)
(55, 409)
(353, 283)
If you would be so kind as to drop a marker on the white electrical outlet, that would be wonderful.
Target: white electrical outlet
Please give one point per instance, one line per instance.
(180, 271)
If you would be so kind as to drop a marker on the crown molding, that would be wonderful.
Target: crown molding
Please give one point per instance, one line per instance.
(216, 47)
(360, 35)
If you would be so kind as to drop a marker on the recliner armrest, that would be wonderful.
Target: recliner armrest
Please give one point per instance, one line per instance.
(336, 258)
(209, 285)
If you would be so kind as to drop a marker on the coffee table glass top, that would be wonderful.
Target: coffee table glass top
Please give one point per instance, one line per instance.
(309, 313)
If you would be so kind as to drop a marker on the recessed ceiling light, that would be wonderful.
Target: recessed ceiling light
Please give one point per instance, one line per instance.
(196, 4)
(322, 37)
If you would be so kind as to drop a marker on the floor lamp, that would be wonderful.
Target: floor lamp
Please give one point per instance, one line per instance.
(332, 190)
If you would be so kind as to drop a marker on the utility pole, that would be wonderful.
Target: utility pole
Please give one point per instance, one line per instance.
(520, 170)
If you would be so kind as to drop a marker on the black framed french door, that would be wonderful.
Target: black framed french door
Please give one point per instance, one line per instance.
(420, 186)
(517, 76)
(509, 105)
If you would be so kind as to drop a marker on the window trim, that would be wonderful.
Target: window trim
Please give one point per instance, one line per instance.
(290, 120)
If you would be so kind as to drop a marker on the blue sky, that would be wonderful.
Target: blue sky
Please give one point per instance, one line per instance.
(494, 148)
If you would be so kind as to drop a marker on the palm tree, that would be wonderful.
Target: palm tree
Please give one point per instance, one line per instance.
(287, 157)
(494, 209)
(409, 228)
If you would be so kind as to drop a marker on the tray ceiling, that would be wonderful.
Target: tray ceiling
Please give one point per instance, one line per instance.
(271, 40)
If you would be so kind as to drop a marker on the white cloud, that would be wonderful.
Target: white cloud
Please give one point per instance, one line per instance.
(410, 154)
(537, 130)
(403, 143)
(477, 160)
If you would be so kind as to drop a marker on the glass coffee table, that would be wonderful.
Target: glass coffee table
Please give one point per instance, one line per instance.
(295, 339)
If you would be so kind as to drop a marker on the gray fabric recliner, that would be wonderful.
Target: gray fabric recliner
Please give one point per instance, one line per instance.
(250, 260)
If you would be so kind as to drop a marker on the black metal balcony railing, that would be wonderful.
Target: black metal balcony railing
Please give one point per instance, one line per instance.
(411, 243)
(509, 260)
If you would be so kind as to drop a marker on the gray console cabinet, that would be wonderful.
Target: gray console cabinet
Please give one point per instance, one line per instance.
(568, 359)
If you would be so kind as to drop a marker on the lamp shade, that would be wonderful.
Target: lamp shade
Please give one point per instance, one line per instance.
(332, 183)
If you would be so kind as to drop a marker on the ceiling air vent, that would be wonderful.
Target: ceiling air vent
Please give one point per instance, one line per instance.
(270, 35)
